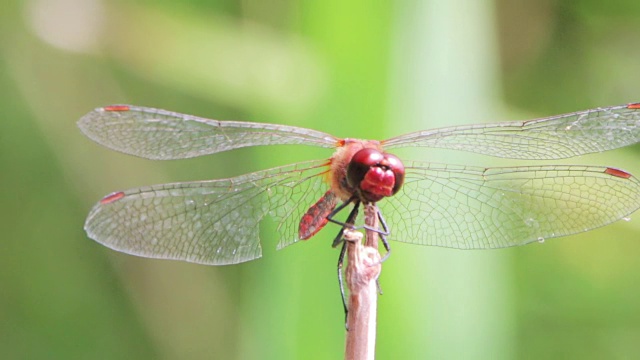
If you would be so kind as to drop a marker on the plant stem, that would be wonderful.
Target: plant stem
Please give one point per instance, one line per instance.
(363, 269)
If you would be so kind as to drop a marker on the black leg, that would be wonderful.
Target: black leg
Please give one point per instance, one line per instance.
(385, 230)
(348, 224)
(338, 209)
(383, 237)
(340, 238)
(341, 282)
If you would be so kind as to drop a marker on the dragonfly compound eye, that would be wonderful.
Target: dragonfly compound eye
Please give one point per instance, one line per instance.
(374, 174)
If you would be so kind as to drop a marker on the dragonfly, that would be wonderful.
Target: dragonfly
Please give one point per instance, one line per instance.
(217, 222)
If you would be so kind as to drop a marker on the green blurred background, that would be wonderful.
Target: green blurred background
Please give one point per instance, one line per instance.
(358, 69)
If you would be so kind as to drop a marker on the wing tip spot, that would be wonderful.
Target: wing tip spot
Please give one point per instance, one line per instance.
(116, 108)
(112, 198)
(618, 173)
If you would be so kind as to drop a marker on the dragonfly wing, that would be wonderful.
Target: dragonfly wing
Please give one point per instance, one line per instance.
(164, 135)
(209, 222)
(554, 137)
(481, 208)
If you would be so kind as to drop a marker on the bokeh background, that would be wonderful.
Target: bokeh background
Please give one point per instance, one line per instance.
(354, 68)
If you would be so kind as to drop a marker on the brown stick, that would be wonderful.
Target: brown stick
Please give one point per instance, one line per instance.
(362, 272)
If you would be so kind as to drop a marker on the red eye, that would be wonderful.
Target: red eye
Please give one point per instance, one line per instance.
(360, 164)
(397, 167)
(369, 157)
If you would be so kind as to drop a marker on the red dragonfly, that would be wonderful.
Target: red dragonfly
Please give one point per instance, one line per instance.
(216, 222)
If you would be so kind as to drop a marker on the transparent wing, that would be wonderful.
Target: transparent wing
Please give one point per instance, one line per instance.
(554, 137)
(163, 135)
(480, 208)
(209, 222)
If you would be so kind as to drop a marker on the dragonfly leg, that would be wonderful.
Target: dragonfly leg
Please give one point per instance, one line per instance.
(383, 238)
(383, 235)
(385, 230)
(350, 219)
(340, 239)
(341, 283)
(350, 224)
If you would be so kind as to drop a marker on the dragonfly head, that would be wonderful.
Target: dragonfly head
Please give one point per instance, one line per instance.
(375, 174)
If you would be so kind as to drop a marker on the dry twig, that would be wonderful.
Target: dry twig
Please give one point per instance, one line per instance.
(363, 269)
